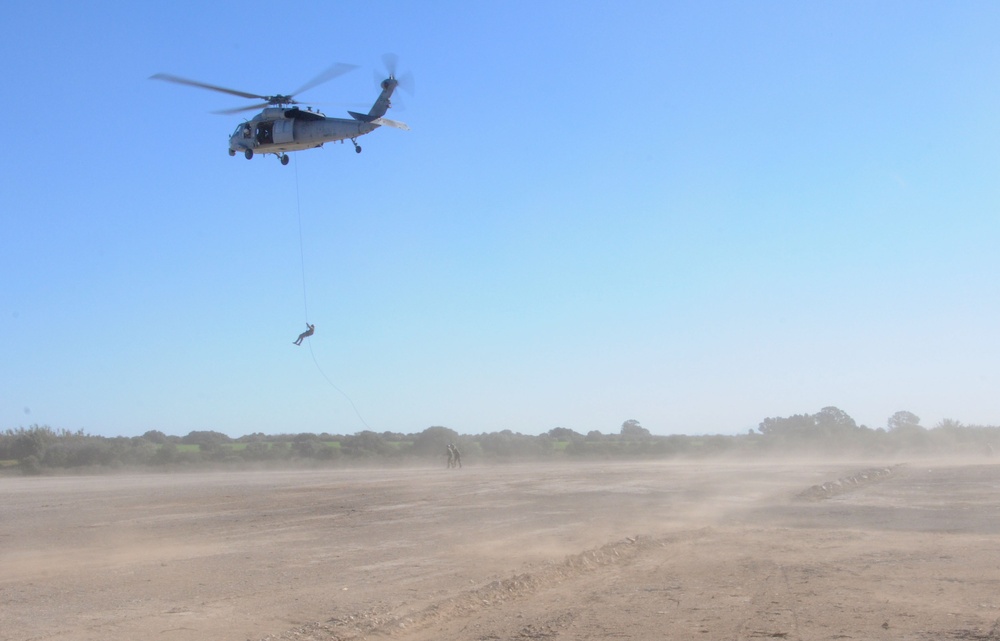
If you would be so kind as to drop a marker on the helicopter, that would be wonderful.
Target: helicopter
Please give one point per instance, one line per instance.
(283, 126)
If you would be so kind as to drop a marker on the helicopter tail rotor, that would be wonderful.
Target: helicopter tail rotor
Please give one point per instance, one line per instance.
(404, 81)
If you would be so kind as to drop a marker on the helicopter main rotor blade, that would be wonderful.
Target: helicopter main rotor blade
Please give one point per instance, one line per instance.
(337, 69)
(203, 85)
(237, 110)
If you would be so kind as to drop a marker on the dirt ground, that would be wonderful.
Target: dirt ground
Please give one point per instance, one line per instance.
(709, 551)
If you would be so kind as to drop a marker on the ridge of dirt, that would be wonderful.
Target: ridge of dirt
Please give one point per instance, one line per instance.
(848, 483)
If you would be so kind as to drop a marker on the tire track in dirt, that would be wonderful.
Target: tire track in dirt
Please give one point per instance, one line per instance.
(479, 602)
(770, 612)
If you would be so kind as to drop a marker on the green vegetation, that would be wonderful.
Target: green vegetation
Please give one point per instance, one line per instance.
(830, 433)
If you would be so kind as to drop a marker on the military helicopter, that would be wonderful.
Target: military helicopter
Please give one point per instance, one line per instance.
(282, 126)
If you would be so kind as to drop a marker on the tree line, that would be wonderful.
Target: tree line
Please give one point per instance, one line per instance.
(829, 432)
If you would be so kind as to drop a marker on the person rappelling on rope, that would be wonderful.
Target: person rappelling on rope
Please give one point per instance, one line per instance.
(305, 334)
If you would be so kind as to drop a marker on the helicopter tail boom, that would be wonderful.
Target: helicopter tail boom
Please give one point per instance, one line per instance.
(362, 117)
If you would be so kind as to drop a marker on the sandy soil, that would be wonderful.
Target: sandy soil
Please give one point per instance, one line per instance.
(579, 551)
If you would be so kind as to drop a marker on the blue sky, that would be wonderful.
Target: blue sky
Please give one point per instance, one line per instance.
(695, 215)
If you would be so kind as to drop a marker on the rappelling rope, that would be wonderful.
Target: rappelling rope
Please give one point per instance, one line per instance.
(305, 301)
(302, 251)
(342, 393)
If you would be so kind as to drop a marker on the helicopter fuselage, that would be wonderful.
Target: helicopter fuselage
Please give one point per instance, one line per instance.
(276, 130)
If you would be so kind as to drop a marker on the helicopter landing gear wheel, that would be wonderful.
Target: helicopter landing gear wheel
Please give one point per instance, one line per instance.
(232, 152)
(357, 147)
(248, 153)
(284, 159)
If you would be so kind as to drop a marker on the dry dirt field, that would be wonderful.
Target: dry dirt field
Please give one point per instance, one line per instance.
(709, 551)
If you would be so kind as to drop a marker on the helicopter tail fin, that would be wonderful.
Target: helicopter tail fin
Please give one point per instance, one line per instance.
(382, 103)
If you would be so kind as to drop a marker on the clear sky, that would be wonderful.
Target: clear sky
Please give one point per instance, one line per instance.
(692, 214)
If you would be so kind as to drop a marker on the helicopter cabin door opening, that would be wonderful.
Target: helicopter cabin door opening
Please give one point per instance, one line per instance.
(264, 132)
